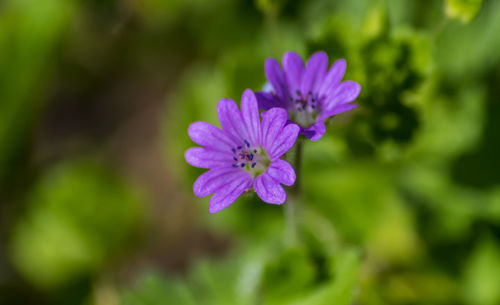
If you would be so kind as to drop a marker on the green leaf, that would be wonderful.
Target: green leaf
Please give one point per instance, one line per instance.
(464, 10)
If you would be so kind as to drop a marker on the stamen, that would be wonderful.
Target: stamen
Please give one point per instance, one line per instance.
(251, 157)
(242, 164)
(246, 142)
(234, 165)
(239, 147)
(255, 150)
(235, 159)
(234, 150)
(253, 164)
(298, 92)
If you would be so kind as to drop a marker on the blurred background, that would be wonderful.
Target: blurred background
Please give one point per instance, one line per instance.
(401, 201)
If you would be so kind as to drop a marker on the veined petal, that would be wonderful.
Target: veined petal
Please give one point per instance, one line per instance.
(207, 158)
(267, 100)
(283, 141)
(282, 171)
(250, 115)
(315, 131)
(228, 193)
(206, 134)
(294, 70)
(277, 78)
(315, 72)
(344, 93)
(273, 122)
(333, 78)
(269, 190)
(336, 110)
(231, 120)
(213, 179)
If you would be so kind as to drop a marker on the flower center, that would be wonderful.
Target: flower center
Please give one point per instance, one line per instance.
(252, 159)
(304, 108)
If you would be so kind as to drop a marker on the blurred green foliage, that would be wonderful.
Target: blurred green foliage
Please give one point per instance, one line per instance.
(80, 216)
(401, 198)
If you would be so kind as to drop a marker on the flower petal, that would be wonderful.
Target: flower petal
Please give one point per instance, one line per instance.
(282, 171)
(230, 120)
(273, 122)
(316, 131)
(227, 194)
(250, 115)
(213, 179)
(294, 70)
(344, 93)
(269, 190)
(267, 100)
(283, 141)
(315, 72)
(333, 78)
(206, 134)
(277, 78)
(336, 110)
(207, 158)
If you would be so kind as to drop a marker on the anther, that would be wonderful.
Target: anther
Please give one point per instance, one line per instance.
(234, 165)
(239, 147)
(246, 142)
(251, 157)
(235, 159)
(253, 164)
(234, 150)
(242, 164)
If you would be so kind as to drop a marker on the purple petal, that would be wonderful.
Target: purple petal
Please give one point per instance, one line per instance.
(344, 93)
(294, 69)
(315, 72)
(228, 193)
(269, 190)
(281, 171)
(206, 158)
(230, 119)
(208, 135)
(250, 114)
(277, 78)
(213, 179)
(333, 77)
(273, 122)
(316, 131)
(336, 110)
(267, 100)
(283, 141)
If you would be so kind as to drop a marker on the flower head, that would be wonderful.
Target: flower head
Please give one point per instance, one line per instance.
(245, 153)
(309, 93)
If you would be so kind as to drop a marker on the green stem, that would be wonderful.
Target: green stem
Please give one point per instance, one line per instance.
(292, 204)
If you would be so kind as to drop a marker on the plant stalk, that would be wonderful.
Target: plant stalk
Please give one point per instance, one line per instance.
(292, 204)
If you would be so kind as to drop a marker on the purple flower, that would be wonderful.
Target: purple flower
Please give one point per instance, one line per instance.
(309, 93)
(245, 153)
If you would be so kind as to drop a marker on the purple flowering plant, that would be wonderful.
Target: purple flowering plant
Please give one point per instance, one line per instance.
(246, 153)
(309, 93)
